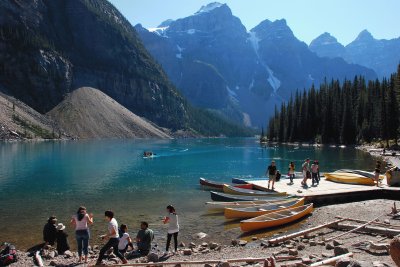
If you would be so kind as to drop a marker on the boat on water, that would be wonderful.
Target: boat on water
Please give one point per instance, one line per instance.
(217, 196)
(247, 192)
(208, 184)
(277, 218)
(254, 211)
(350, 178)
(148, 154)
(219, 205)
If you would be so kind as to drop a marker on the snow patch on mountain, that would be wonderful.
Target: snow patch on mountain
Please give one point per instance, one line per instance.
(272, 80)
(254, 40)
(180, 49)
(209, 7)
(191, 31)
(232, 95)
(161, 31)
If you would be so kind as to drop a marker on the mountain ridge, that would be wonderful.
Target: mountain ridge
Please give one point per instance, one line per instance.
(381, 55)
(255, 79)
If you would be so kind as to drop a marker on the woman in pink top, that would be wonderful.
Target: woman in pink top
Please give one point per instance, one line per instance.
(81, 223)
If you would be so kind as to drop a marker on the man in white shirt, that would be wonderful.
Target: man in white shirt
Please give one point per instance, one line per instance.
(113, 238)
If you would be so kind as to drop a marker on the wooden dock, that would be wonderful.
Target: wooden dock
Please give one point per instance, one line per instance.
(328, 192)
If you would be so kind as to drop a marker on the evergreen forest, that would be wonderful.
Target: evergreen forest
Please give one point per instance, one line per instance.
(351, 112)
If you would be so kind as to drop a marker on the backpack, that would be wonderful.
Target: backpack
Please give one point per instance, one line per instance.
(8, 255)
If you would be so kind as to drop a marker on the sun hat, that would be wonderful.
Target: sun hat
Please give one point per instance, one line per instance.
(60, 227)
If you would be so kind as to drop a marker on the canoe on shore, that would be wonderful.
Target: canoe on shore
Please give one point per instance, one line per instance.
(219, 205)
(277, 218)
(254, 211)
(228, 189)
(350, 178)
(217, 196)
(208, 184)
(361, 172)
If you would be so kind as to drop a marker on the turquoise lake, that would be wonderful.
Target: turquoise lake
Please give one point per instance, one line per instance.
(38, 179)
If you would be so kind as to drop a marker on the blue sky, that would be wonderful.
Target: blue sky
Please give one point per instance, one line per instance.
(344, 19)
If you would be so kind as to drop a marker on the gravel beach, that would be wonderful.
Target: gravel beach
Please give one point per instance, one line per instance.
(308, 249)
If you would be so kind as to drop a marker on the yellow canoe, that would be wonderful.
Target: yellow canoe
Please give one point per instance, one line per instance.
(228, 189)
(276, 218)
(350, 178)
(243, 204)
(254, 211)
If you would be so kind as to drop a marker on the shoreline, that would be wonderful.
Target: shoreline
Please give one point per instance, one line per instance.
(376, 152)
(310, 248)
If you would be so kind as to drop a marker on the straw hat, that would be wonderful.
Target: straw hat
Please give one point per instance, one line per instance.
(60, 227)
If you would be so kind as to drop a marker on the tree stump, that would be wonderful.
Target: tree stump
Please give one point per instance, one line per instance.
(395, 250)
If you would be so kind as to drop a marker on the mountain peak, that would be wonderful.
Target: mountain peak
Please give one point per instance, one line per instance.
(277, 29)
(365, 35)
(210, 7)
(324, 39)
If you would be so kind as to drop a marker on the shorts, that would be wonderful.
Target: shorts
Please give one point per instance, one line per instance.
(272, 177)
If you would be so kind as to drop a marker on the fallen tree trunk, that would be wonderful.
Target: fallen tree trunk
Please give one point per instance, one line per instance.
(375, 223)
(331, 260)
(316, 228)
(367, 229)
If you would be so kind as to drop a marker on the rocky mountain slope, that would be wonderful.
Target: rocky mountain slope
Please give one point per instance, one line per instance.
(89, 113)
(19, 121)
(49, 48)
(382, 56)
(218, 64)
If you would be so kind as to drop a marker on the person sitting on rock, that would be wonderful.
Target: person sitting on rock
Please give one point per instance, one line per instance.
(143, 241)
(62, 239)
(50, 231)
(124, 239)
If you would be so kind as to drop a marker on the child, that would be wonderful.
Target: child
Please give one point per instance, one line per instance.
(124, 239)
(62, 239)
(291, 171)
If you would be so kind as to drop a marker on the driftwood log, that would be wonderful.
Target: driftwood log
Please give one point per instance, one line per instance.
(374, 223)
(331, 260)
(394, 250)
(365, 229)
(296, 234)
(355, 229)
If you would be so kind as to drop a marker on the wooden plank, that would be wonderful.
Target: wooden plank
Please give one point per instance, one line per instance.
(367, 229)
(303, 232)
(355, 229)
(331, 260)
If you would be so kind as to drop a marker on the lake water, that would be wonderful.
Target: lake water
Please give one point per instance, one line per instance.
(43, 178)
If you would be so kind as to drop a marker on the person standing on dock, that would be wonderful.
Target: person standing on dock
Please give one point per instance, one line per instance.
(291, 172)
(377, 172)
(271, 172)
(306, 172)
(314, 173)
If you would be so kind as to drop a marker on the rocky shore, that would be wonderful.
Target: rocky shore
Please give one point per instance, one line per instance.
(304, 249)
(390, 156)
